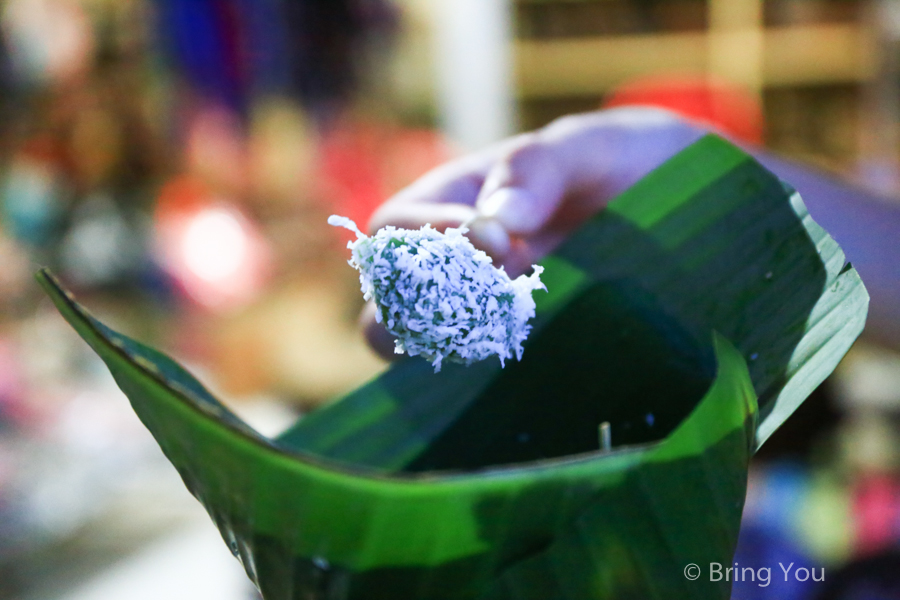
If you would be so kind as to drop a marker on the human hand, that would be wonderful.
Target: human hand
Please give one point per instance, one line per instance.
(523, 196)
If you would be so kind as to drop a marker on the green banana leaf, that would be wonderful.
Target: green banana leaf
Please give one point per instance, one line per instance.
(702, 288)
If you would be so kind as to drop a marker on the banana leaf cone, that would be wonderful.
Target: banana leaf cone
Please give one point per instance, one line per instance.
(692, 316)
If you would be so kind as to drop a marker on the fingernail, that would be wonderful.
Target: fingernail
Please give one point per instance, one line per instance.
(513, 208)
(490, 236)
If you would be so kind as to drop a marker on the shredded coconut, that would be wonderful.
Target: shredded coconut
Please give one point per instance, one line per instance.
(441, 297)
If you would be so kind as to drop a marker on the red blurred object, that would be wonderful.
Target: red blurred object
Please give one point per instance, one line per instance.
(212, 249)
(180, 196)
(876, 510)
(352, 171)
(726, 106)
(364, 163)
(13, 405)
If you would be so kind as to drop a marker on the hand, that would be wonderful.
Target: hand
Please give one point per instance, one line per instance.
(525, 194)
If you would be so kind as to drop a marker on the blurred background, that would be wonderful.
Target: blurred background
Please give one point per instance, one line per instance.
(174, 161)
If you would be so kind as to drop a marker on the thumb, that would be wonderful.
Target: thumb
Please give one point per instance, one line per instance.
(524, 189)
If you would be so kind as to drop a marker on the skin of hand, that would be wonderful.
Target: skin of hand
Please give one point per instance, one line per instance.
(522, 196)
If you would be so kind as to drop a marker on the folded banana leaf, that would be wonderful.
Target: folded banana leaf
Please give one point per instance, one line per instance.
(699, 290)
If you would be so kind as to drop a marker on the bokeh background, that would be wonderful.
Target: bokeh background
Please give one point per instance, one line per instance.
(175, 161)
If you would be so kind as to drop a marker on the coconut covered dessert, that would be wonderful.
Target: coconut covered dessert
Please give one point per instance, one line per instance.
(440, 297)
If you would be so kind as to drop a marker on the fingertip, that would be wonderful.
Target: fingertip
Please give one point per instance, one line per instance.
(375, 333)
(517, 209)
(519, 260)
(414, 216)
(490, 236)
(524, 189)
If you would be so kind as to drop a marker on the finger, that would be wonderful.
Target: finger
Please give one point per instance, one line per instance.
(454, 183)
(577, 164)
(485, 234)
(490, 236)
(457, 182)
(524, 189)
(376, 334)
(519, 259)
(408, 215)
(609, 151)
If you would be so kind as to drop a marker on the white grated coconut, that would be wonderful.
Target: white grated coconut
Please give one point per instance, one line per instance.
(440, 296)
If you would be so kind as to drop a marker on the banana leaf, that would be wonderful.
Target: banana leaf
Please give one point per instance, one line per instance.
(693, 316)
